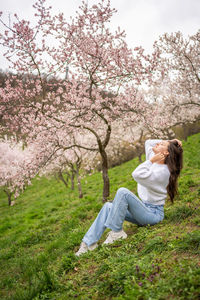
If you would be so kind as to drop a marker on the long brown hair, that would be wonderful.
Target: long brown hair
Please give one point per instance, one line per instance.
(174, 161)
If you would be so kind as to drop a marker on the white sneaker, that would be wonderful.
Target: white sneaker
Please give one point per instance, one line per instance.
(84, 248)
(114, 236)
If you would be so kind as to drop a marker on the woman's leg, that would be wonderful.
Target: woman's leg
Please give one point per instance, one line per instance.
(98, 226)
(137, 211)
(126, 206)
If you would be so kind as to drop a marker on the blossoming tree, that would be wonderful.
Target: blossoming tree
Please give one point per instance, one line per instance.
(68, 162)
(100, 85)
(15, 172)
(175, 93)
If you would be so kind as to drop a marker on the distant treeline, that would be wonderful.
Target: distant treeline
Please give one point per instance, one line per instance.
(28, 79)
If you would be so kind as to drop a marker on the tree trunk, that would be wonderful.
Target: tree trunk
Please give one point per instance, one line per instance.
(60, 176)
(9, 199)
(79, 183)
(9, 195)
(140, 157)
(72, 181)
(106, 181)
(140, 147)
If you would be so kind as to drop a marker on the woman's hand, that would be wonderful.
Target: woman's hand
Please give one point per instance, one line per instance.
(158, 158)
(178, 141)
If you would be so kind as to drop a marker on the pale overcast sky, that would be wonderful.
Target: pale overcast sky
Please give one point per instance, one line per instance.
(142, 20)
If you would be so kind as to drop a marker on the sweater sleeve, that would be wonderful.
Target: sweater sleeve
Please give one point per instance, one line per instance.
(149, 144)
(145, 176)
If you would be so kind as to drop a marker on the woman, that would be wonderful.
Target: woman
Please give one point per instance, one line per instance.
(156, 177)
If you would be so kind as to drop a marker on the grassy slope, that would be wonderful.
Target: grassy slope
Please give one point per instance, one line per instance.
(39, 235)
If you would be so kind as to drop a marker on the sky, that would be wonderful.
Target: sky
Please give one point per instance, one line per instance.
(143, 20)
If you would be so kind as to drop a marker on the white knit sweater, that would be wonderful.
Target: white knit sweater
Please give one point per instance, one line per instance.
(152, 178)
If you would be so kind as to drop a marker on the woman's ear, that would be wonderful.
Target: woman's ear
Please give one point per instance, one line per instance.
(166, 153)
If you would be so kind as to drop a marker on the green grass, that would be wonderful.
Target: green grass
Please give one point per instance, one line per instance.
(39, 235)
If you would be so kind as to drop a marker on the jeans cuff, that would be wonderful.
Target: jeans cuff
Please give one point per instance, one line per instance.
(87, 242)
(112, 227)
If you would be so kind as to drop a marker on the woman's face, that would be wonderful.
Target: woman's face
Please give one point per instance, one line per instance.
(161, 147)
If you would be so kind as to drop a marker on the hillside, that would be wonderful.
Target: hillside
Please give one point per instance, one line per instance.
(39, 235)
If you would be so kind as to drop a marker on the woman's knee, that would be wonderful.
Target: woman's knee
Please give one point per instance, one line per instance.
(107, 205)
(122, 190)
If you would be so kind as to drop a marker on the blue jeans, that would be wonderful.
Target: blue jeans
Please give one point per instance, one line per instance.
(126, 206)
